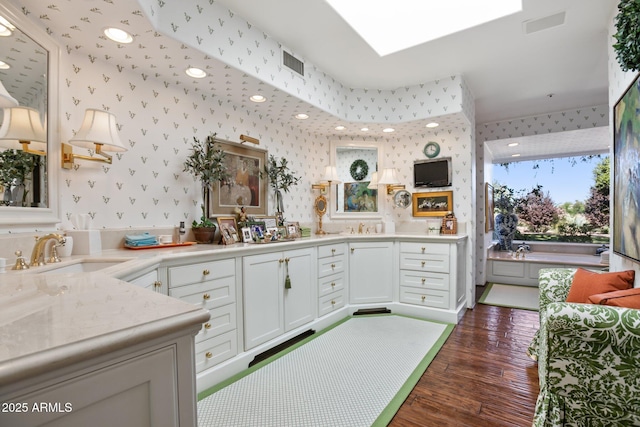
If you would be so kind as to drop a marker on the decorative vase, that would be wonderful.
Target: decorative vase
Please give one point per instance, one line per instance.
(506, 225)
(204, 234)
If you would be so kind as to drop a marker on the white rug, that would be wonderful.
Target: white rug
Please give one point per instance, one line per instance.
(514, 296)
(346, 376)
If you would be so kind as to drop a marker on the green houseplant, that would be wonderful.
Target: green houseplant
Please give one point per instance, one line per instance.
(627, 34)
(206, 163)
(15, 167)
(280, 179)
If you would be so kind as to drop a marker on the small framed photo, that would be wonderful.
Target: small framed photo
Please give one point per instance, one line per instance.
(293, 229)
(228, 223)
(436, 203)
(270, 222)
(227, 236)
(257, 229)
(246, 235)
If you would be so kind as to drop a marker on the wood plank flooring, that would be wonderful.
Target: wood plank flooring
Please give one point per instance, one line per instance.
(481, 376)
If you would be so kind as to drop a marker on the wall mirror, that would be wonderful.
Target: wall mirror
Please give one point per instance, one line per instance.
(32, 79)
(355, 162)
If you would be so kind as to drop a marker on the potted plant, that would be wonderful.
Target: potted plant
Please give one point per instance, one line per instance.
(506, 221)
(280, 179)
(206, 163)
(15, 167)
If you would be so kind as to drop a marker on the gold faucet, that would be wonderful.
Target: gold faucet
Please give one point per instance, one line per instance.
(37, 256)
(360, 227)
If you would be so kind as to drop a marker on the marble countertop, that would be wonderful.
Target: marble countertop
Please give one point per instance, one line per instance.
(48, 321)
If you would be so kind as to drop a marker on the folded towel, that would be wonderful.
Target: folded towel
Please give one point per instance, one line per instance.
(143, 239)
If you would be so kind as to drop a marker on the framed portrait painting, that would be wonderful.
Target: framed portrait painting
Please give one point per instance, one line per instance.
(436, 203)
(245, 187)
(489, 207)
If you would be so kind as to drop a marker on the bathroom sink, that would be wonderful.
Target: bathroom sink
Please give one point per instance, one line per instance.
(81, 266)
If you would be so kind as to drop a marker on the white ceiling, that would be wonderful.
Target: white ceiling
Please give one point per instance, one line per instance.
(510, 73)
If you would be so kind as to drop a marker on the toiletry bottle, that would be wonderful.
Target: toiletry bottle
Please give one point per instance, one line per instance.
(182, 231)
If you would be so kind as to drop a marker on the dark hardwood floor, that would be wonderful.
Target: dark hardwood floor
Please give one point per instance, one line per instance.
(481, 376)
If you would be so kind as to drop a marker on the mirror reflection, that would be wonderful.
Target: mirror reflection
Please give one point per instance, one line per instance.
(356, 196)
(23, 76)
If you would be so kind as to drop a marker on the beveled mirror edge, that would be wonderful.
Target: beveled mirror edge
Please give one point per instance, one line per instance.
(17, 219)
(334, 145)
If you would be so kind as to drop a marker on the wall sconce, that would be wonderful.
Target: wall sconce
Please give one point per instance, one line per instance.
(6, 100)
(373, 184)
(98, 132)
(22, 130)
(329, 178)
(389, 179)
(245, 138)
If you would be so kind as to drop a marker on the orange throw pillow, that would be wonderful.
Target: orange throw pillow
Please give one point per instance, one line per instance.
(629, 298)
(586, 283)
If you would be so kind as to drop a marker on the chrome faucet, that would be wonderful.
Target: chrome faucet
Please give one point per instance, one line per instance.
(360, 227)
(37, 256)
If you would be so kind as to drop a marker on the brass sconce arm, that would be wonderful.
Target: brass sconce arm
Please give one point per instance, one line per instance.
(68, 156)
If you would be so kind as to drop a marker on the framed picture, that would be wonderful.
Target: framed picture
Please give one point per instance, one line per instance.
(226, 235)
(626, 173)
(229, 223)
(293, 229)
(244, 188)
(436, 203)
(489, 207)
(359, 198)
(257, 229)
(246, 235)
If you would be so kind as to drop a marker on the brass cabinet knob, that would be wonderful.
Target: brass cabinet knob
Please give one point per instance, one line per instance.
(423, 298)
(423, 249)
(287, 260)
(333, 302)
(333, 284)
(353, 250)
(423, 280)
(206, 296)
(207, 325)
(205, 272)
(423, 263)
(157, 283)
(333, 251)
(333, 266)
(281, 260)
(208, 355)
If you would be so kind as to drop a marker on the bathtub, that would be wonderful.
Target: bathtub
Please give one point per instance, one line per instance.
(503, 267)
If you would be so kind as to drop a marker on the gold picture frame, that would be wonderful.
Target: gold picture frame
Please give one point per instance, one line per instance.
(435, 203)
(489, 207)
(293, 230)
(245, 186)
(228, 230)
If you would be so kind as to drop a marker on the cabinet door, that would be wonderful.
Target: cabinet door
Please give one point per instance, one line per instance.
(263, 298)
(370, 272)
(148, 281)
(298, 300)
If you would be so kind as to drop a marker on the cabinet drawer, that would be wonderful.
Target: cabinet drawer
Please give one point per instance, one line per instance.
(331, 302)
(211, 294)
(424, 248)
(201, 272)
(506, 268)
(426, 280)
(223, 319)
(329, 284)
(331, 265)
(425, 297)
(425, 262)
(215, 350)
(332, 250)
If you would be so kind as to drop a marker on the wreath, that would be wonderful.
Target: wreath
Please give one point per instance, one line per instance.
(359, 169)
(627, 47)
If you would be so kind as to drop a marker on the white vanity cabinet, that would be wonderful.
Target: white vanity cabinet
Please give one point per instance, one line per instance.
(332, 270)
(431, 274)
(269, 309)
(371, 266)
(211, 285)
(149, 280)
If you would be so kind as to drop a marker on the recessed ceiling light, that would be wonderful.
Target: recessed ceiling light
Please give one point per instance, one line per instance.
(4, 31)
(515, 155)
(196, 73)
(301, 116)
(6, 27)
(257, 98)
(118, 35)
(513, 144)
(340, 127)
(388, 130)
(4, 65)
(364, 129)
(415, 22)
(432, 125)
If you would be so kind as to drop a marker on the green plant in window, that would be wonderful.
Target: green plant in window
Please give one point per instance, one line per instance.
(627, 46)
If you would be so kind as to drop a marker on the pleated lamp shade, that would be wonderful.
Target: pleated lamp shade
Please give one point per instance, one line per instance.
(22, 124)
(98, 127)
(388, 177)
(330, 175)
(373, 184)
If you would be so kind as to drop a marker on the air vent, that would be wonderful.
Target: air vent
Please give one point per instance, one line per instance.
(292, 63)
(535, 25)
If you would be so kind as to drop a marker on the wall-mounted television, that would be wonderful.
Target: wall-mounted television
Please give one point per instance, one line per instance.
(432, 172)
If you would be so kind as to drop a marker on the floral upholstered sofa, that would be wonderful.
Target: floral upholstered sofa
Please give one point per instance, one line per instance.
(588, 359)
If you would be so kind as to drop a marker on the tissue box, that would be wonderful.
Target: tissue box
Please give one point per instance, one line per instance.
(86, 242)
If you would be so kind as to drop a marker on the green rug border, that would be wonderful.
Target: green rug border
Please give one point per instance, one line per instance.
(486, 293)
(394, 404)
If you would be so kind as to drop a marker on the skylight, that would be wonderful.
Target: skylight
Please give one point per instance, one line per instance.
(392, 26)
